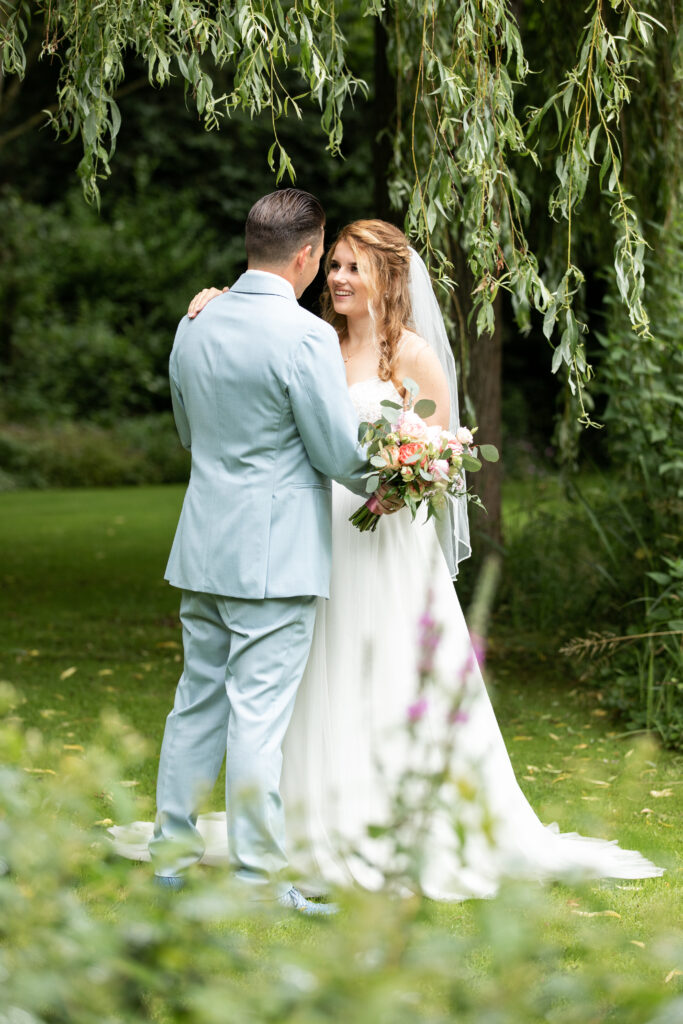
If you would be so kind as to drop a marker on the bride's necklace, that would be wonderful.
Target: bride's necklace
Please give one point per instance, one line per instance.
(351, 355)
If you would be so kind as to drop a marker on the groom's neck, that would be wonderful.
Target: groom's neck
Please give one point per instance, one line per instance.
(288, 271)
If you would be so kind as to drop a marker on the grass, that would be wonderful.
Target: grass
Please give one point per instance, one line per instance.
(89, 624)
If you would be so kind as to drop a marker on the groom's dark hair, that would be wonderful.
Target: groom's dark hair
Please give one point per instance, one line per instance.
(280, 224)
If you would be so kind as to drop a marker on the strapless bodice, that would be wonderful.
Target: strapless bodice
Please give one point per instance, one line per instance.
(367, 395)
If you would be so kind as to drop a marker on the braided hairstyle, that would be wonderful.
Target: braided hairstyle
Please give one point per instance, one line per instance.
(383, 257)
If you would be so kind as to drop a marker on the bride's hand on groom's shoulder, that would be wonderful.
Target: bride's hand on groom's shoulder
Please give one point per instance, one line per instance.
(201, 299)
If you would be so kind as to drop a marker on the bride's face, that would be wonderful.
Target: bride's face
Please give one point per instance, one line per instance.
(349, 293)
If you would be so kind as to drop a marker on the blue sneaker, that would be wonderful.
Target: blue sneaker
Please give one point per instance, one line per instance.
(173, 882)
(293, 900)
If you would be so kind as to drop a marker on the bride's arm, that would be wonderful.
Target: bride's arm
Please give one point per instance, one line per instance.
(201, 299)
(419, 361)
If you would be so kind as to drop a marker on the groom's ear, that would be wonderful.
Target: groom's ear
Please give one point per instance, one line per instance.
(303, 255)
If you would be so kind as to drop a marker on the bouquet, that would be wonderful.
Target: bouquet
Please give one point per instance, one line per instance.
(417, 462)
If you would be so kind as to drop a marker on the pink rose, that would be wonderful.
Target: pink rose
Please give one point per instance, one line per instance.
(455, 445)
(410, 452)
(411, 425)
(439, 469)
(464, 435)
(390, 454)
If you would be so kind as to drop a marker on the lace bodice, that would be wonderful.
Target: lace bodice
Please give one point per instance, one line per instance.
(366, 396)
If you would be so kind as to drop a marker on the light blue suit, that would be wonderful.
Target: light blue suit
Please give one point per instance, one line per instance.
(260, 399)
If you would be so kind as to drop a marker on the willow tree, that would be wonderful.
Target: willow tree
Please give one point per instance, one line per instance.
(465, 144)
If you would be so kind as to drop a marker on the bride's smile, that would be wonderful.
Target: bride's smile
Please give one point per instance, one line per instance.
(347, 288)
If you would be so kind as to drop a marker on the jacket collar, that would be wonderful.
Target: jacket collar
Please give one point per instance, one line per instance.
(262, 282)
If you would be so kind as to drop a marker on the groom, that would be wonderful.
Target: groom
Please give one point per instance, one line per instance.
(260, 399)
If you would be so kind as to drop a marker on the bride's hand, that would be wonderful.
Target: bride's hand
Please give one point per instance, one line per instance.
(387, 500)
(201, 299)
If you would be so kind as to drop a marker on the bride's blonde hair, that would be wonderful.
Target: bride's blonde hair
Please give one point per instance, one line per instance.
(383, 258)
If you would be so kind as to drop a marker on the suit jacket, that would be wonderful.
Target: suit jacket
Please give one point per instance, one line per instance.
(260, 400)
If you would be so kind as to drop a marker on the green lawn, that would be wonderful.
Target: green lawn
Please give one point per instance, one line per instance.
(89, 624)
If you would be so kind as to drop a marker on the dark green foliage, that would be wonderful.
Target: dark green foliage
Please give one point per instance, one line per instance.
(144, 450)
(643, 383)
(87, 303)
(580, 576)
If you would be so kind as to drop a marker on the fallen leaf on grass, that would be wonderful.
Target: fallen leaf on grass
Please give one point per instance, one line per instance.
(518, 739)
(554, 737)
(598, 782)
(168, 643)
(129, 783)
(529, 778)
(661, 792)
(646, 810)
(106, 672)
(671, 975)
(580, 746)
(640, 945)
(106, 822)
(597, 913)
(68, 672)
(561, 777)
(72, 746)
(598, 712)
(40, 771)
(590, 798)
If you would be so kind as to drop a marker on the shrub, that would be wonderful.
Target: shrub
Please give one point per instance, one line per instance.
(138, 451)
(85, 939)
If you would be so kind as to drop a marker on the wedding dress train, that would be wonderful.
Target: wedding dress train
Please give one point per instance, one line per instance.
(348, 744)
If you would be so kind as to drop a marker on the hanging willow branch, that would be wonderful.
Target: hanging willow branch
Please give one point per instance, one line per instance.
(464, 69)
(260, 41)
(460, 70)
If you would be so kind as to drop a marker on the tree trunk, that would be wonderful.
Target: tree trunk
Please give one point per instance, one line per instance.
(480, 372)
(384, 110)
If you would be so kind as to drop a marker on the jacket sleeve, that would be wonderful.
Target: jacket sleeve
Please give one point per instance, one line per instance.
(180, 415)
(323, 410)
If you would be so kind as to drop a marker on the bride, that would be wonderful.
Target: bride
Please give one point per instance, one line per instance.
(392, 687)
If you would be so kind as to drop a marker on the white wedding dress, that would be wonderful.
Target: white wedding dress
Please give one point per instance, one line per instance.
(349, 744)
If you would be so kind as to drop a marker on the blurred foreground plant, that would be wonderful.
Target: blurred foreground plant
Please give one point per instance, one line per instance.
(85, 938)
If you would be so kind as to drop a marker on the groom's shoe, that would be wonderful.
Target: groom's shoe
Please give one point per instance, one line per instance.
(173, 882)
(293, 900)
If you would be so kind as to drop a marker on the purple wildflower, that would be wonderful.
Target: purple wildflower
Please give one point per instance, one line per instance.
(417, 710)
(457, 715)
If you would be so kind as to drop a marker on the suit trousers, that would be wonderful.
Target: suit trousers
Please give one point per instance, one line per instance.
(243, 661)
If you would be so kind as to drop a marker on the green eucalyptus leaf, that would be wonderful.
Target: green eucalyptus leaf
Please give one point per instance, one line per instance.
(391, 415)
(425, 408)
(489, 452)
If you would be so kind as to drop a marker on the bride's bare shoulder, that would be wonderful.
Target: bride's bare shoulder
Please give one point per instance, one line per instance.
(410, 343)
(413, 351)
